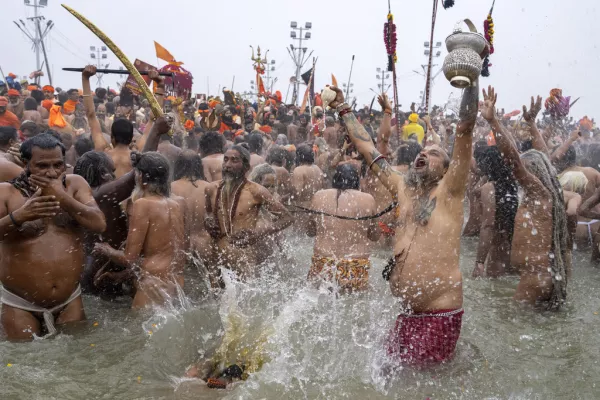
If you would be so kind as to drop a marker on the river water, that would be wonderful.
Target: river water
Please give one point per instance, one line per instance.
(316, 345)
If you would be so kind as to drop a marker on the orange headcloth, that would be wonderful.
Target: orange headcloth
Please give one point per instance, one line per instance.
(69, 106)
(47, 104)
(56, 118)
(13, 92)
(48, 88)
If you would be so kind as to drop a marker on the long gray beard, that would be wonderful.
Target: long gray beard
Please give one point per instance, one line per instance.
(137, 193)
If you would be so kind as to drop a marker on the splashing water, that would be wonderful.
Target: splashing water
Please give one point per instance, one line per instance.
(312, 343)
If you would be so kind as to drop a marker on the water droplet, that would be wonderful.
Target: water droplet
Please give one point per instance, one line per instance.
(534, 232)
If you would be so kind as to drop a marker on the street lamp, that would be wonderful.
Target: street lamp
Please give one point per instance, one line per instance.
(298, 53)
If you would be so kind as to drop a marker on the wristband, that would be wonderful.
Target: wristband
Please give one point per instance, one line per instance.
(13, 220)
(387, 111)
(342, 107)
(344, 112)
(379, 157)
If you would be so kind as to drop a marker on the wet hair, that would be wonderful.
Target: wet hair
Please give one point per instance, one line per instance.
(110, 108)
(7, 133)
(83, 145)
(526, 146)
(44, 141)
(539, 165)
(126, 98)
(101, 93)
(211, 143)
(479, 148)
(346, 177)
(92, 166)
(122, 131)
(154, 169)
(407, 152)
(491, 163)
(255, 142)
(30, 126)
(277, 155)
(244, 154)
(189, 165)
(304, 155)
(239, 140)
(569, 159)
(228, 135)
(63, 97)
(329, 121)
(38, 95)
(191, 142)
(30, 104)
(290, 160)
(260, 171)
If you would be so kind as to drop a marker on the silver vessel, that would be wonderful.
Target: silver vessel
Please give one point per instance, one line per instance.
(466, 51)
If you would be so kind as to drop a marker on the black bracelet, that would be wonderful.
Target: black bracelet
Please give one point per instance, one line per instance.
(13, 220)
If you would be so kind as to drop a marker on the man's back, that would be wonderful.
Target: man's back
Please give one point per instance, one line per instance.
(306, 180)
(195, 203)
(164, 243)
(171, 152)
(8, 170)
(213, 167)
(347, 203)
(121, 157)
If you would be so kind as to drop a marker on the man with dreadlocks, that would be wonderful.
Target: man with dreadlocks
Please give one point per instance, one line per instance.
(191, 185)
(233, 206)
(499, 205)
(424, 273)
(344, 263)
(539, 245)
(154, 252)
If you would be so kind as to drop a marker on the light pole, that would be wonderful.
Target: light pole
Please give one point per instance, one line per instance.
(431, 51)
(298, 54)
(98, 54)
(38, 37)
(383, 76)
(270, 81)
(348, 89)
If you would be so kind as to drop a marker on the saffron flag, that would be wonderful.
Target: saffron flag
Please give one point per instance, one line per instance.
(165, 55)
(260, 84)
(333, 80)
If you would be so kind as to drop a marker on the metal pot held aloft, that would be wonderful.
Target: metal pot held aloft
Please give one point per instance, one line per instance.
(466, 51)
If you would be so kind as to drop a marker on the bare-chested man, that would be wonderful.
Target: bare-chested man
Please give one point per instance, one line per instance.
(211, 149)
(539, 245)
(154, 252)
(8, 169)
(345, 262)
(430, 196)
(233, 216)
(190, 185)
(121, 135)
(255, 144)
(277, 160)
(42, 213)
(307, 178)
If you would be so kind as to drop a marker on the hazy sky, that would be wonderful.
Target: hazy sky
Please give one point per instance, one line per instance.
(540, 44)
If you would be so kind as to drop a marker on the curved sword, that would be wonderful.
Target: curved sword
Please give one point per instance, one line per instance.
(156, 109)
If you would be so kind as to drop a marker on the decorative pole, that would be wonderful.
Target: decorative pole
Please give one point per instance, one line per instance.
(390, 39)
(428, 83)
(488, 29)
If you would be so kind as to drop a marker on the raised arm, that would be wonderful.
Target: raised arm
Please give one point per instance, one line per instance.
(100, 143)
(537, 140)
(455, 179)
(385, 129)
(486, 232)
(361, 139)
(562, 150)
(504, 140)
(587, 208)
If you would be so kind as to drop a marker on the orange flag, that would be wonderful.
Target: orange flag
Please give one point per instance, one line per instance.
(333, 80)
(261, 85)
(165, 55)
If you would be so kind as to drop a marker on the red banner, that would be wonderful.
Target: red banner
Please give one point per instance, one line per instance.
(131, 84)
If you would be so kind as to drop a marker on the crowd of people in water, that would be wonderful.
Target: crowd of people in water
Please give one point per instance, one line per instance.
(97, 196)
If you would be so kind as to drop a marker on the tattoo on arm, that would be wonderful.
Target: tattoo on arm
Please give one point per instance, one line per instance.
(355, 129)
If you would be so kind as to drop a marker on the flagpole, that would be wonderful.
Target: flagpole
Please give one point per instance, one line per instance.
(232, 82)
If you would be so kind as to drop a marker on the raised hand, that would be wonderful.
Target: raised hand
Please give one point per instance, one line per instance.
(534, 110)
(339, 98)
(156, 77)
(384, 102)
(89, 71)
(488, 109)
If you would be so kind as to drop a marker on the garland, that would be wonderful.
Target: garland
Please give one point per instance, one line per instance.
(488, 28)
(390, 39)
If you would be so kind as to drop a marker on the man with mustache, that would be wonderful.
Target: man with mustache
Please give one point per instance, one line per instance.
(430, 216)
(233, 215)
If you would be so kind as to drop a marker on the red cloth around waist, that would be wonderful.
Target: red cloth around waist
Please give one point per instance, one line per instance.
(423, 339)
